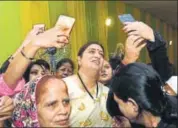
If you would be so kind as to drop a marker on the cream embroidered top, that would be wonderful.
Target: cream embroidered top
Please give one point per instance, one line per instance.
(87, 112)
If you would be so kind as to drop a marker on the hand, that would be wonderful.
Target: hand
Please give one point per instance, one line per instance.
(139, 29)
(54, 37)
(133, 46)
(6, 108)
(34, 32)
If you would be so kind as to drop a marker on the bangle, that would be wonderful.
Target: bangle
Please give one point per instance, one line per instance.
(23, 54)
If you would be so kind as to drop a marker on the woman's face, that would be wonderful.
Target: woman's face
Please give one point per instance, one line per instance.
(65, 70)
(106, 72)
(92, 57)
(128, 108)
(36, 71)
(53, 105)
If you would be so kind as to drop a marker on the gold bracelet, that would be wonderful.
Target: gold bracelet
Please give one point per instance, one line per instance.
(23, 54)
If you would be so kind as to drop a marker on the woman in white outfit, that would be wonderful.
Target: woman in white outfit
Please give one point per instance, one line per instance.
(88, 97)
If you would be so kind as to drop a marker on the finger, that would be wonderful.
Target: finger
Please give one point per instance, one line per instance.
(9, 113)
(130, 40)
(34, 32)
(138, 41)
(126, 23)
(8, 102)
(4, 118)
(141, 46)
(133, 33)
(1, 101)
(58, 44)
(131, 27)
(7, 108)
(63, 39)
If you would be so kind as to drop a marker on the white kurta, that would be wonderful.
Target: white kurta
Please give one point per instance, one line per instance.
(85, 111)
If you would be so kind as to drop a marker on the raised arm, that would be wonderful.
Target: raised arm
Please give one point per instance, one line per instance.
(17, 67)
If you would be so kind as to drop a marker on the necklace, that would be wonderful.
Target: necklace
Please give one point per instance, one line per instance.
(87, 89)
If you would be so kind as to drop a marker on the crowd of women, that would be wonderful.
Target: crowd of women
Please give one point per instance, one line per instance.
(119, 92)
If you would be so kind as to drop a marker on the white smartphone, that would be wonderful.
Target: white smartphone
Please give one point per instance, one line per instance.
(66, 23)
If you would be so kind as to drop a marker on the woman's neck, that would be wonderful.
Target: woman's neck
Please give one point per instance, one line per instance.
(89, 77)
(149, 120)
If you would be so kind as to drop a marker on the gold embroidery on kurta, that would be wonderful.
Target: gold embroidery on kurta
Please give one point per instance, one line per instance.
(104, 116)
(82, 107)
(86, 123)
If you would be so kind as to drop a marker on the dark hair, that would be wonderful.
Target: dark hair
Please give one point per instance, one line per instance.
(4, 66)
(141, 83)
(65, 60)
(39, 62)
(85, 46)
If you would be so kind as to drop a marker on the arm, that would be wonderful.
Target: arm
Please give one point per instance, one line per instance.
(156, 47)
(158, 55)
(17, 67)
(27, 40)
(133, 46)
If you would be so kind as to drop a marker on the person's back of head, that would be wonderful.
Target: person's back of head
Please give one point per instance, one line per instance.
(141, 83)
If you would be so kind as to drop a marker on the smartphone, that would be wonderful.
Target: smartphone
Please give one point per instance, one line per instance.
(126, 18)
(66, 23)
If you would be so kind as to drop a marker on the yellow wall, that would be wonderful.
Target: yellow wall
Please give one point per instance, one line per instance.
(18, 17)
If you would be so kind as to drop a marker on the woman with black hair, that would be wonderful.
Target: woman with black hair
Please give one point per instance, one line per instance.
(64, 68)
(36, 69)
(88, 96)
(137, 94)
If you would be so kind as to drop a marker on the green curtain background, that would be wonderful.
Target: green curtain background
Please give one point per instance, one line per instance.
(18, 17)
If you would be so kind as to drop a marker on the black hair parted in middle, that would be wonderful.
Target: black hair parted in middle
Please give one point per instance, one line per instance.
(85, 46)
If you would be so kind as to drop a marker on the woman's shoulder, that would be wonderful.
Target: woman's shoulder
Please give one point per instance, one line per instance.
(71, 79)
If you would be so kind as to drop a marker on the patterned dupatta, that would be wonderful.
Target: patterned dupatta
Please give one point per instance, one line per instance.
(25, 112)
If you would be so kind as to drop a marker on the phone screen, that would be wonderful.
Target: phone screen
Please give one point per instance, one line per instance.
(126, 18)
(65, 23)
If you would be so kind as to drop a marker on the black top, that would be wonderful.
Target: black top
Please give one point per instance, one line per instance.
(173, 123)
(158, 55)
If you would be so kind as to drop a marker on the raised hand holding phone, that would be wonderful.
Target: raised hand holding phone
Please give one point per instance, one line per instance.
(64, 24)
(133, 27)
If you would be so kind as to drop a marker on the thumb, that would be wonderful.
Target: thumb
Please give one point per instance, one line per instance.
(1, 101)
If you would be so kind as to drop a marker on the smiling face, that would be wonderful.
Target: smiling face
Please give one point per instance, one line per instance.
(106, 72)
(53, 104)
(92, 57)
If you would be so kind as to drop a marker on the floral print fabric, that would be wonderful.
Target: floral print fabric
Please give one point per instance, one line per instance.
(25, 112)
